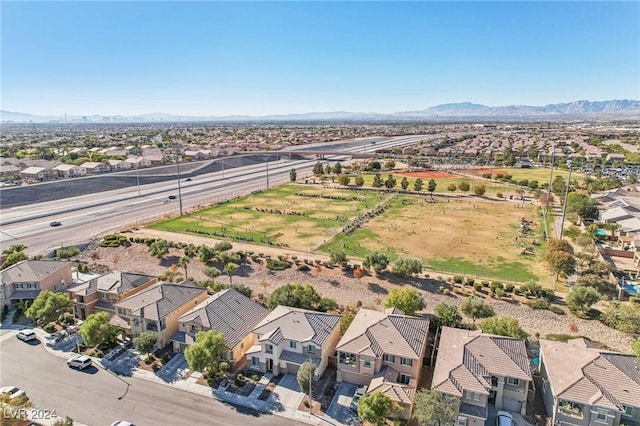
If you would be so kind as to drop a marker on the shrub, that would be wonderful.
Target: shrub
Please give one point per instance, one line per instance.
(49, 328)
(539, 303)
(477, 286)
(470, 281)
(303, 267)
(632, 299)
(485, 283)
(517, 291)
(556, 309)
(500, 195)
(277, 265)
(509, 288)
(499, 292)
(5, 312)
(457, 279)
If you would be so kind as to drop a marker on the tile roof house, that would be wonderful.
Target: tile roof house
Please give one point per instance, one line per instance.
(384, 350)
(583, 385)
(156, 309)
(288, 337)
(228, 312)
(480, 370)
(26, 279)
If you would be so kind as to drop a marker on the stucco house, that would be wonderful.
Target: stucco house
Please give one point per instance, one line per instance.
(384, 350)
(288, 337)
(26, 279)
(586, 386)
(157, 309)
(482, 370)
(228, 312)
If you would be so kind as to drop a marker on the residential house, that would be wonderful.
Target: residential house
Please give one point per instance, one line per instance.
(153, 156)
(94, 168)
(37, 174)
(384, 350)
(288, 337)
(228, 312)
(482, 370)
(101, 292)
(119, 165)
(69, 170)
(26, 279)
(9, 172)
(156, 309)
(618, 213)
(611, 157)
(583, 385)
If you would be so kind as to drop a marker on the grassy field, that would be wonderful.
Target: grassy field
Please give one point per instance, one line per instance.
(540, 174)
(442, 184)
(295, 216)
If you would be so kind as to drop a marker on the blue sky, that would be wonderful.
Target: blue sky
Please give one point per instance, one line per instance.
(257, 58)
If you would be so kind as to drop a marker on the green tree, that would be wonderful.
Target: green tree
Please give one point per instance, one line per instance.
(359, 181)
(96, 330)
(431, 186)
(417, 185)
(229, 269)
(206, 353)
(346, 320)
(432, 408)
(206, 253)
(377, 182)
(475, 308)
(305, 376)
(404, 183)
(344, 179)
(480, 189)
(318, 170)
(159, 248)
(559, 186)
(407, 268)
(184, 262)
(580, 299)
(375, 408)
(635, 347)
(390, 165)
(595, 281)
(48, 306)
(378, 261)
(390, 182)
(299, 296)
(452, 187)
(63, 421)
(583, 205)
(14, 249)
(503, 326)
(408, 300)
(212, 273)
(337, 168)
(145, 342)
(447, 315)
(559, 245)
(338, 257)
(293, 175)
(464, 186)
(624, 317)
(15, 254)
(560, 263)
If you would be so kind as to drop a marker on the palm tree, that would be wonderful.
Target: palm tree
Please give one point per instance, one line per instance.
(184, 261)
(16, 248)
(229, 268)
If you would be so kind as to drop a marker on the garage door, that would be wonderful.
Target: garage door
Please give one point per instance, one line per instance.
(356, 379)
(512, 405)
(292, 368)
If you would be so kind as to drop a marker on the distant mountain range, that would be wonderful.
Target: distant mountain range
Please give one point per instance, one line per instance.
(615, 109)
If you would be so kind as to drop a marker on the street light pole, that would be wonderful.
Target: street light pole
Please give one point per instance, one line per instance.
(566, 197)
(267, 171)
(138, 172)
(179, 188)
(310, 383)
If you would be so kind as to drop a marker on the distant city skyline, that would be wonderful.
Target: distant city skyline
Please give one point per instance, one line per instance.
(265, 58)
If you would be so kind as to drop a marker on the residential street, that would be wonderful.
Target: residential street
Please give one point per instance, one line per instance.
(91, 397)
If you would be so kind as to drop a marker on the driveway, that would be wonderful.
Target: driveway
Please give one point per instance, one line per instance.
(287, 394)
(173, 370)
(125, 364)
(339, 410)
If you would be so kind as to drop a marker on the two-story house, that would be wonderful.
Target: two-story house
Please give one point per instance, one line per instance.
(482, 370)
(384, 350)
(228, 312)
(288, 337)
(586, 386)
(26, 279)
(100, 293)
(156, 309)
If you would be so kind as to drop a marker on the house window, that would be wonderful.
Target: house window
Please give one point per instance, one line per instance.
(494, 381)
(347, 358)
(255, 361)
(268, 349)
(628, 411)
(32, 285)
(601, 415)
(292, 344)
(104, 296)
(404, 379)
(311, 349)
(462, 421)
(389, 358)
(406, 361)
(136, 322)
(472, 395)
(513, 381)
(194, 328)
(120, 311)
(367, 363)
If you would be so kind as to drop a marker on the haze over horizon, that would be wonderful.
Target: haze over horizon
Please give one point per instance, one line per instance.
(255, 58)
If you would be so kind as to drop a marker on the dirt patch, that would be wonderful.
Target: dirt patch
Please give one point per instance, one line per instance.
(316, 407)
(430, 174)
(480, 172)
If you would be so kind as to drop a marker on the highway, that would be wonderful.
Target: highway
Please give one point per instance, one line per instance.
(87, 217)
(95, 397)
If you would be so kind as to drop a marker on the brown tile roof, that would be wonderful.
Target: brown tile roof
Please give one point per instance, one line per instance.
(467, 360)
(299, 325)
(386, 382)
(159, 300)
(584, 374)
(375, 333)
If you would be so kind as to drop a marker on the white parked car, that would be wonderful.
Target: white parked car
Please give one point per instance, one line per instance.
(26, 335)
(122, 423)
(80, 362)
(359, 393)
(12, 392)
(504, 418)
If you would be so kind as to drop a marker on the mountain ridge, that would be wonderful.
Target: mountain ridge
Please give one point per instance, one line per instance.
(623, 108)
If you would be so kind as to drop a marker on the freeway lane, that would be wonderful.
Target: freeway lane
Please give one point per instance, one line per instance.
(92, 398)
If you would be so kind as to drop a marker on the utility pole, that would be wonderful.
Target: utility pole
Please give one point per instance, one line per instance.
(179, 188)
(138, 172)
(310, 384)
(566, 197)
(267, 171)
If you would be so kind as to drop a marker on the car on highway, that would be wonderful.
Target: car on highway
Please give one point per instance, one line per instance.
(171, 197)
(188, 180)
(12, 392)
(122, 423)
(80, 362)
(504, 418)
(26, 335)
(55, 223)
(359, 393)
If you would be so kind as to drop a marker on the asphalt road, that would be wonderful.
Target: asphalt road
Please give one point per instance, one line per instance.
(91, 397)
(87, 217)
